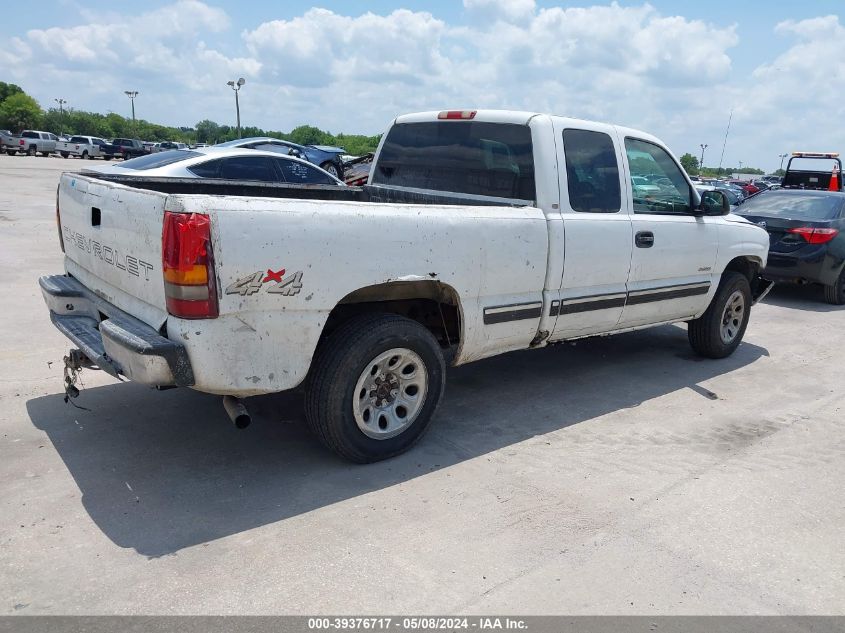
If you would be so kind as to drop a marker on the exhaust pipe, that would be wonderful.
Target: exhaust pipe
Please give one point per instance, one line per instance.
(236, 411)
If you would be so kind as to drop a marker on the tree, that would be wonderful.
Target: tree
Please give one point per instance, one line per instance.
(7, 90)
(689, 163)
(207, 131)
(19, 112)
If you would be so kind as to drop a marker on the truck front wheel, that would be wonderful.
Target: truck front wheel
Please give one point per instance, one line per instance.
(375, 384)
(718, 332)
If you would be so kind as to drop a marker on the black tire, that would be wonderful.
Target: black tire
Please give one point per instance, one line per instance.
(106, 157)
(11, 152)
(705, 332)
(45, 154)
(835, 292)
(339, 362)
(30, 151)
(332, 169)
(85, 155)
(125, 156)
(65, 154)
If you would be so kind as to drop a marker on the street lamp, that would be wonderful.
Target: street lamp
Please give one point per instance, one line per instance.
(61, 103)
(236, 86)
(781, 156)
(132, 94)
(703, 147)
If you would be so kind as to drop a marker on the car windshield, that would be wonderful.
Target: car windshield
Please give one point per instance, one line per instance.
(799, 205)
(160, 159)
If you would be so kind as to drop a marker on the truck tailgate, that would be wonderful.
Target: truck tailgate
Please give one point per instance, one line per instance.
(112, 239)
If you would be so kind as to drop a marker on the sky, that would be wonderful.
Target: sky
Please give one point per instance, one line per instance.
(676, 69)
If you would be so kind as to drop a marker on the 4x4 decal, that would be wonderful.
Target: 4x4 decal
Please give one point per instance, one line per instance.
(249, 285)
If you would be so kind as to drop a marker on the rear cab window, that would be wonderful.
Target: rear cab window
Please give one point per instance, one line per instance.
(592, 172)
(466, 157)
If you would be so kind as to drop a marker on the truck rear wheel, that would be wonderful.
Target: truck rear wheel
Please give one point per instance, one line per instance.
(65, 154)
(11, 152)
(375, 384)
(30, 151)
(718, 332)
(835, 292)
(45, 154)
(85, 154)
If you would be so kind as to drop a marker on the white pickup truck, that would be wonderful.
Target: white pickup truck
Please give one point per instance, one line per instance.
(480, 232)
(81, 147)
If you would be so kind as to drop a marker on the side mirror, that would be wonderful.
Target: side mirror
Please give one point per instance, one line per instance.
(714, 203)
(294, 152)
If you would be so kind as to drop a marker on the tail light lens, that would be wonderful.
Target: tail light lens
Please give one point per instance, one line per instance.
(59, 221)
(815, 235)
(188, 266)
(21, 142)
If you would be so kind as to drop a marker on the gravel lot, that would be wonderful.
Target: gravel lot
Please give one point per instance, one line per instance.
(622, 475)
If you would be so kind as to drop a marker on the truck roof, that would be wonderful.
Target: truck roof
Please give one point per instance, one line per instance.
(519, 117)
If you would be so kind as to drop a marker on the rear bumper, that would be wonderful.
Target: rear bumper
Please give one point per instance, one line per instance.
(115, 341)
(813, 265)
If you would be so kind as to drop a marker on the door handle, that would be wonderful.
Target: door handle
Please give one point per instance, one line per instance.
(644, 239)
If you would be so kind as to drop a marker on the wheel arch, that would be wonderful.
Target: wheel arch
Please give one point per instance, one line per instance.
(433, 304)
(747, 265)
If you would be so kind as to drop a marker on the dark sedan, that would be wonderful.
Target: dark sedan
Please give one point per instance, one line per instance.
(807, 237)
(326, 157)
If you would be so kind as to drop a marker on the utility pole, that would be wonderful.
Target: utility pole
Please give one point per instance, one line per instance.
(703, 147)
(132, 94)
(236, 86)
(781, 156)
(61, 103)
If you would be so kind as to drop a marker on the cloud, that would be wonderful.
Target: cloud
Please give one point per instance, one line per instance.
(633, 65)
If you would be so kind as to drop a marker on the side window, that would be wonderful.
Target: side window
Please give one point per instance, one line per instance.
(208, 169)
(657, 182)
(247, 168)
(592, 172)
(272, 147)
(295, 172)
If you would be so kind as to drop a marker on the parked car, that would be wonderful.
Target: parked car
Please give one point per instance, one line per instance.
(8, 142)
(125, 148)
(32, 142)
(734, 199)
(643, 187)
(772, 179)
(807, 233)
(748, 188)
(81, 146)
(222, 163)
(327, 157)
(479, 234)
(166, 145)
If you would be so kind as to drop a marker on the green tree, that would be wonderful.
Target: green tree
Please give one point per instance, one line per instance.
(7, 90)
(689, 163)
(207, 131)
(20, 111)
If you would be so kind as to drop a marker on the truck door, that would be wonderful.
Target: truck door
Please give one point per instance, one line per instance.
(674, 249)
(598, 237)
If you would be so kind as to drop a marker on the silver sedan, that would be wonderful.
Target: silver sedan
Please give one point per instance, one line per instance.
(223, 163)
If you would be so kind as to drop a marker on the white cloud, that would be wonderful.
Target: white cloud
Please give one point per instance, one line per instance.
(633, 65)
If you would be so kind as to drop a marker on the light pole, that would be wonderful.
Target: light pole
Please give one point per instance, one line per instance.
(132, 94)
(236, 86)
(61, 103)
(703, 147)
(781, 156)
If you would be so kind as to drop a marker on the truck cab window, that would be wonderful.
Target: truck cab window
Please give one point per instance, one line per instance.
(592, 172)
(470, 157)
(657, 182)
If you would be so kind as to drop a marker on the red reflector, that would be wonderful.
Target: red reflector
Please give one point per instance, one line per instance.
(457, 114)
(815, 235)
(188, 263)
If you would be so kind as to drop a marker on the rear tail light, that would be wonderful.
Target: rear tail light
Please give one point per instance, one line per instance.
(21, 142)
(59, 221)
(188, 266)
(815, 235)
(457, 114)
